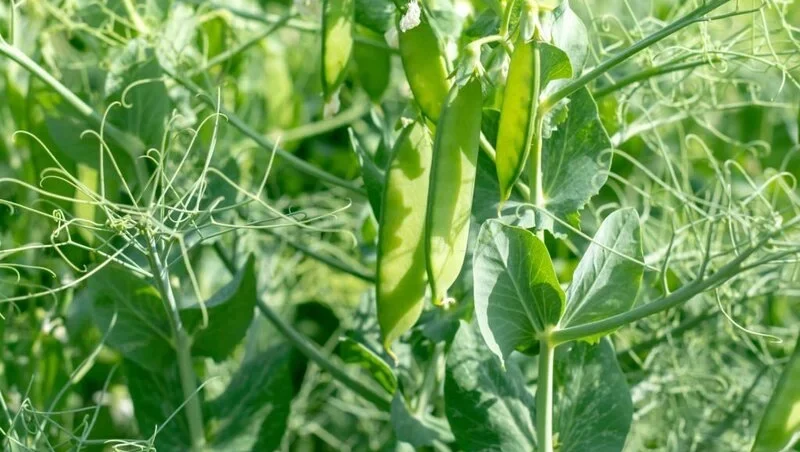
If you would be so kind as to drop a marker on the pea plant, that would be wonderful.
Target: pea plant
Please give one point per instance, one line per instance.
(399, 224)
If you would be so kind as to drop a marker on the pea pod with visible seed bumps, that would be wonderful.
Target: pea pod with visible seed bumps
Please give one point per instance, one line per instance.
(425, 66)
(455, 159)
(401, 277)
(337, 42)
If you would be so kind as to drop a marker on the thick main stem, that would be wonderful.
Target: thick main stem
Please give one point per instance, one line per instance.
(183, 349)
(544, 397)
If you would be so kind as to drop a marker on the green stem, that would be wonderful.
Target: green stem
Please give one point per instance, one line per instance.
(689, 19)
(140, 25)
(544, 397)
(267, 144)
(312, 353)
(536, 193)
(183, 348)
(680, 296)
(645, 75)
(342, 119)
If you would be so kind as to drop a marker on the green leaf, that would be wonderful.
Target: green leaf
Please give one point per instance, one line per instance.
(415, 430)
(593, 410)
(779, 429)
(157, 396)
(253, 411)
(372, 175)
(402, 278)
(607, 278)
(570, 35)
(141, 329)
(517, 295)
(575, 161)
(354, 352)
(230, 312)
(489, 407)
(520, 106)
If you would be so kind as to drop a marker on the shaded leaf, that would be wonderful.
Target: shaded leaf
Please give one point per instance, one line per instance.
(230, 312)
(593, 410)
(373, 176)
(156, 396)
(489, 407)
(415, 430)
(141, 332)
(253, 411)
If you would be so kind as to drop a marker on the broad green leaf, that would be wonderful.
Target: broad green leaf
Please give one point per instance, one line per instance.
(373, 176)
(570, 35)
(401, 275)
(488, 406)
(337, 42)
(779, 429)
(156, 396)
(593, 409)
(575, 161)
(141, 329)
(453, 172)
(253, 412)
(517, 295)
(520, 104)
(230, 312)
(609, 273)
(354, 352)
(419, 431)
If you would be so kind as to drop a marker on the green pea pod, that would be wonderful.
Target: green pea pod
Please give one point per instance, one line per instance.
(780, 426)
(533, 64)
(338, 17)
(425, 66)
(455, 159)
(401, 277)
(373, 65)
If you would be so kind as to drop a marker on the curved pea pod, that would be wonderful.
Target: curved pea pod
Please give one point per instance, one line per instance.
(455, 160)
(425, 65)
(373, 65)
(780, 427)
(338, 17)
(401, 277)
(533, 64)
